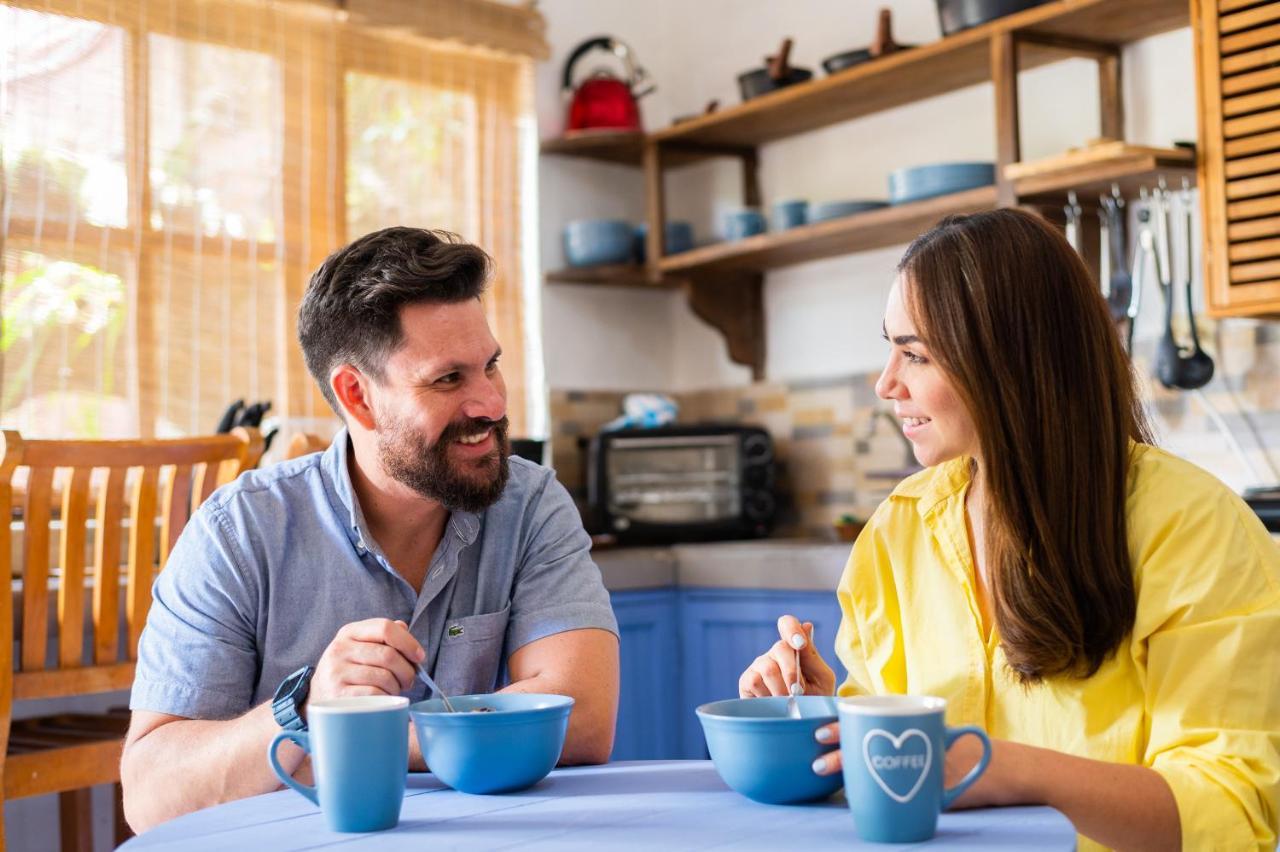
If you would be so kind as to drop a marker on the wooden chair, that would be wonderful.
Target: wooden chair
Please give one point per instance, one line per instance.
(304, 443)
(135, 487)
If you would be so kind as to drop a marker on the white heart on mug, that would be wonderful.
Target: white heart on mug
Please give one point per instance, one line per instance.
(897, 743)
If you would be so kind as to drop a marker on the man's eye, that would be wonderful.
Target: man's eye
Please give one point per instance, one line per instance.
(492, 365)
(451, 379)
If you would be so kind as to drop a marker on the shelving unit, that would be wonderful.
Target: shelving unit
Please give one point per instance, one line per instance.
(725, 279)
(622, 275)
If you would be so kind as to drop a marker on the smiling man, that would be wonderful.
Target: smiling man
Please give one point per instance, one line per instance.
(414, 539)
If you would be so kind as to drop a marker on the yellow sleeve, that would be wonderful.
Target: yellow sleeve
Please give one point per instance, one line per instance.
(865, 561)
(1208, 623)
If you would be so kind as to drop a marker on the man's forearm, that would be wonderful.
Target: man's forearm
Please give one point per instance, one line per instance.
(591, 724)
(185, 765)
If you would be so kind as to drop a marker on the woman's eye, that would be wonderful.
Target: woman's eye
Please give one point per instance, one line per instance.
(913, 358)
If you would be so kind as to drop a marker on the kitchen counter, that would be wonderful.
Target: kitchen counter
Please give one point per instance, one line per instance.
(796, 564)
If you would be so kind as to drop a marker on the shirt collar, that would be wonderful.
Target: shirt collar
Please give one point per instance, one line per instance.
(932, 486)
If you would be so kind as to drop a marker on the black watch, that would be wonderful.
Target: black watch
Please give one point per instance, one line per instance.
(290, 695)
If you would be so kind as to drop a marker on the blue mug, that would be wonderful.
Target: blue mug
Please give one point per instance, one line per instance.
(359, 749)
(740, 224)
(893, 749)
(790, 214)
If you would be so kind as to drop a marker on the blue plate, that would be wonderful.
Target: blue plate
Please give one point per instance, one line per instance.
(763, 754)
(837, 209)
(509, 749)
(920, 182)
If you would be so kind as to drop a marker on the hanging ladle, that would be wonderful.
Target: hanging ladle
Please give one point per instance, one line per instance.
(1175, 370)
(1197, 366)
(1116, 281)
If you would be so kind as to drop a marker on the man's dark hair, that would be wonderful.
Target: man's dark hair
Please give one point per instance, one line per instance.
(350, 313)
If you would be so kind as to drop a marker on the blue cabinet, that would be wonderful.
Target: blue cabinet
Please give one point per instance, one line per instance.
(648, 704)
(723, 630)
(685, 647)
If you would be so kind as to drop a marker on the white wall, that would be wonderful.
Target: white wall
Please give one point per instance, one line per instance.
(822, 318)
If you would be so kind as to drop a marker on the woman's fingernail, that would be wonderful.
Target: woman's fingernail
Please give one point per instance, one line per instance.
(820, 765)
(823, 735)
(798, 641)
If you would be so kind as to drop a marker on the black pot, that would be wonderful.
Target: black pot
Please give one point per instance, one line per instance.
(759, 82)
(957, 15)
(848, 59)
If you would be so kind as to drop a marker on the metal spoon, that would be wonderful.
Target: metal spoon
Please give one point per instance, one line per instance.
(793, 706)
(431, 684)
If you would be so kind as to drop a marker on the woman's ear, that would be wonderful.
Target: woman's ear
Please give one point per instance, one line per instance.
(354, 391)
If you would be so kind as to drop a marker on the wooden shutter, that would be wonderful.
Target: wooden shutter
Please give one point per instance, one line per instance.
(1237, 46)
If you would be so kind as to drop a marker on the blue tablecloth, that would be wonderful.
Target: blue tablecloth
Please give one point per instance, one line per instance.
(662, 805)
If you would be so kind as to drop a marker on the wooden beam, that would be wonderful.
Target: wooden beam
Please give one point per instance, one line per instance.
(1004, 77)
(733, 304)
(1111, 96)
(655, 205)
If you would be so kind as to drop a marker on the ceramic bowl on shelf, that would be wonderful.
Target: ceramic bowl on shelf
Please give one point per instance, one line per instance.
(919, 182)
(595, 242)
(509, 745)
(838, 209)
(679, 237)
(791, 213)
(766, 755)
(740, 224)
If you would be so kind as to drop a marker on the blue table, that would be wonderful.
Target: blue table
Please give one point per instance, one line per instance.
(664, 805)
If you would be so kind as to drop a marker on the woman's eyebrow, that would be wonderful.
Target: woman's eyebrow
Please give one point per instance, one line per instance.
(900, 340)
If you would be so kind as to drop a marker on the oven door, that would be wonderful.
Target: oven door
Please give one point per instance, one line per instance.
(673, 481)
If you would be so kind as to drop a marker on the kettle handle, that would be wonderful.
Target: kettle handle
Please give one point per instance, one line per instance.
(634, 73)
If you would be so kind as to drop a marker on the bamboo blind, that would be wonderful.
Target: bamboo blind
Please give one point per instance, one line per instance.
(173, 170)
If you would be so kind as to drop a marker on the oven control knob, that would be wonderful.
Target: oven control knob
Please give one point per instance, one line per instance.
(759, 507)
(757, 449)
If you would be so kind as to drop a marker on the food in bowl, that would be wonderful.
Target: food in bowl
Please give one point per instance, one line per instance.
(495, 743)
(760, 751)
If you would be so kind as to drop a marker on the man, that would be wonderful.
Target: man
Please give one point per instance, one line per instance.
(412, 539)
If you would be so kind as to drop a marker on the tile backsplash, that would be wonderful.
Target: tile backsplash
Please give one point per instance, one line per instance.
(837, 455)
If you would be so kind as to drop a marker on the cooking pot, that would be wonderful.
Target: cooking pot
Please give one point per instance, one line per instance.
(776, 74)
(884, 44)
(604, 101)
(957, 15)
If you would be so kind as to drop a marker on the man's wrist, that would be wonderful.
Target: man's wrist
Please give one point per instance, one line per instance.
(289, 704)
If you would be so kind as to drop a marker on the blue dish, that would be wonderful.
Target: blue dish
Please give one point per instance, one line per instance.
(679, 238)
(591, 242)
(837, 209)
(920, 182)
(740, 224)
(509, 749)
(790, 214)
(763, 754)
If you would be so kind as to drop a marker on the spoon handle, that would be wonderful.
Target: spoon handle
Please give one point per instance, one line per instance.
(431, 684)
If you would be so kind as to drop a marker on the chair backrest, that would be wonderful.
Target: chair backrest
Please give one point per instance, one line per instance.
(304, 443)
(115, 496)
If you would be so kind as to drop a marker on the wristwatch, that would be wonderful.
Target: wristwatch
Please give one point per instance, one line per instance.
(290, 695)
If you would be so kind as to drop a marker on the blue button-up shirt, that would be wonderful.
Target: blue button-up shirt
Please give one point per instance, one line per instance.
(272, 565)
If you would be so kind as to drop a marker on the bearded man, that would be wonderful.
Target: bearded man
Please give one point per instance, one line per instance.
(414, 539)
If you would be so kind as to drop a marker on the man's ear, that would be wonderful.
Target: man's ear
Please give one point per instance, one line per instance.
(354, 391)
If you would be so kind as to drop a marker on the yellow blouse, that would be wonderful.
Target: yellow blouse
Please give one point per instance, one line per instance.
(1194, 692)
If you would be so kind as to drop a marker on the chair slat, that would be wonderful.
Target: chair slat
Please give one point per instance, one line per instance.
(75, 512)
(142, 541)
(106, 568)
(206, 482)
(35, 570)
(12, 456)
(176, 509)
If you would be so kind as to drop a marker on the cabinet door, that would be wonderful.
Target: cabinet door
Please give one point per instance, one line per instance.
(648, 701)
(1237, 43)
(723, 630)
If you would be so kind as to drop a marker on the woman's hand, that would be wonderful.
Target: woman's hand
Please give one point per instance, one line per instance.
(773, 672)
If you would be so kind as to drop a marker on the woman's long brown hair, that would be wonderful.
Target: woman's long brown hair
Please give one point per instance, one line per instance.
(1010, 313)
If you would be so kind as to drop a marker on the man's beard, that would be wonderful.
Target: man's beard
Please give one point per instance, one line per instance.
(469, 486)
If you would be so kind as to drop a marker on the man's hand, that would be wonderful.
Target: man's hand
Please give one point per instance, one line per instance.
(372, 657)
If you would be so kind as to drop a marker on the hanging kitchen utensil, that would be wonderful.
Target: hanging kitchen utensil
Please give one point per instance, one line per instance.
(776, 74)
(882, 46)
(1176, 368)
(1198, 366)
(1073, 212)
(1118, 288)
(604, 101)
(1143, 252)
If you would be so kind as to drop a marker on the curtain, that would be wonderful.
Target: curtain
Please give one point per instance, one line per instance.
(173, 170)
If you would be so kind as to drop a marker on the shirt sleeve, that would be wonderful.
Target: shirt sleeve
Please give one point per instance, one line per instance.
(867, 560)
(197, 655)
(557, 585)
(1209, 624)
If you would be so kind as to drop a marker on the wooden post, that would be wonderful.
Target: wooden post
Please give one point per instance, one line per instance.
(1110, 96)
(655, 245)
(751, 177)
(1004, 76)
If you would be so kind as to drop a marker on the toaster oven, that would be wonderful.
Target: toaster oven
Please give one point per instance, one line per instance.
(682, 483)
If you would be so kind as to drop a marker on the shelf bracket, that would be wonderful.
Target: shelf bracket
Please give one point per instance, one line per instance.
(733, 304)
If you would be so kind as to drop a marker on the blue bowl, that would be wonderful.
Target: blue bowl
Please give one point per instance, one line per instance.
(920, 182)
(679, 238)
(790, 214)
(740, 224)
(510, 749)
(763, 754)
(837, 209)
(591, 242)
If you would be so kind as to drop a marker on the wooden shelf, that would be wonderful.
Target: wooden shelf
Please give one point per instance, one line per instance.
(961, 60)
(873, 229)
(619, 275)
(1130, 167)
(610, 146)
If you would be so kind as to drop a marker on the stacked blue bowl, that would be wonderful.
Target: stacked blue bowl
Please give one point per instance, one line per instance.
(920, 182)
(595, 242)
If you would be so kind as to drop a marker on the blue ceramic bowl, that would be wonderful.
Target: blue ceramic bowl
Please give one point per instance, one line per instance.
(740, 224)
(920, 182)
(591, 242)
(837, 209)
(763, 754)
(790, 214)
(510, 749)
(679, 238)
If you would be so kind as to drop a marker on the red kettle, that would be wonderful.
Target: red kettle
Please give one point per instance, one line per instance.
(603, 101)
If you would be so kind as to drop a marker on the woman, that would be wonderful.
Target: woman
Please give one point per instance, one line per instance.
(1109, 613)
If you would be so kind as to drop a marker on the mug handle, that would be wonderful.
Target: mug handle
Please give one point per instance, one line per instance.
(949, 795)
(302, 741)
